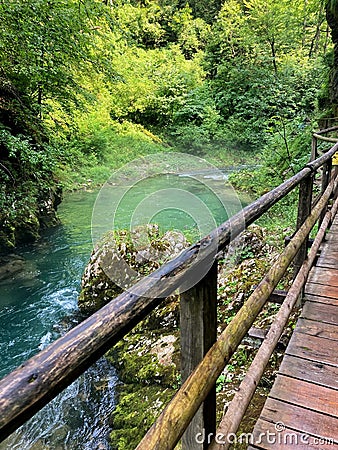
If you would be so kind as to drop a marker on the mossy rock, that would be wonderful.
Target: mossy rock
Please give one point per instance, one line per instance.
(122, 258)
(147, 358)
(138, 407)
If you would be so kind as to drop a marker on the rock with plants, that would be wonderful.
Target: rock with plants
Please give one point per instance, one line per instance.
(147, 358)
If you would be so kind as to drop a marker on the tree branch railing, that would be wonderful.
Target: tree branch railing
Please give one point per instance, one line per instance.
(37, 381)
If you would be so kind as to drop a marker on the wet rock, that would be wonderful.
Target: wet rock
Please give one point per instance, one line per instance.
(14, 266)
(10, 265)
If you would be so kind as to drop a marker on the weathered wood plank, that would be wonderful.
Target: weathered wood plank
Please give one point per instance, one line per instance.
(301, 419)
(305, 394)
(327, 263)
(320, 312)
(311, 371)
(314, 348)
(332, 237)
(327, 250)
(321, 290)
(304, 208)
(320, 299)
(268, 438)
(319, 329)
(328, 277)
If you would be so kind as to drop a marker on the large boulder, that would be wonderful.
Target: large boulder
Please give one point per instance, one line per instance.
(123, 257)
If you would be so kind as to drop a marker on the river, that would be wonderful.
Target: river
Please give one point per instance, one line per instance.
(39, 304)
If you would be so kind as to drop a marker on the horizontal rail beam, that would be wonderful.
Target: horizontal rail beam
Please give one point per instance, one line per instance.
(32, 385)
(327, 130)
(325, 138)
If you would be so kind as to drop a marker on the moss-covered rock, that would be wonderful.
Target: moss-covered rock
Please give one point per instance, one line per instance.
(123, 257)
(147, 358)
(136, 411)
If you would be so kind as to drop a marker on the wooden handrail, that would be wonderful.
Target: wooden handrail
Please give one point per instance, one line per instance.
(169, 427)
(324, 138)
(238, 405)
(32, 385)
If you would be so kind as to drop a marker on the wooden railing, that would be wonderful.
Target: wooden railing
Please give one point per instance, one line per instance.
(193, 409)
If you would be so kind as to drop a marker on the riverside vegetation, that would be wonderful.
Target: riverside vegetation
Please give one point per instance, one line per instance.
(87, 86)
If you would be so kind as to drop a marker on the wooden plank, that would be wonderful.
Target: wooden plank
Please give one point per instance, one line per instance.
(319, 329)
(321, 290)
(320, 299)
(320, 312)
(327, 250)
(332, 237)
(300, 419)
(328, 277)
(266, 437)
(327, 263)
(311, 371)
(302, 393)
(314, 348)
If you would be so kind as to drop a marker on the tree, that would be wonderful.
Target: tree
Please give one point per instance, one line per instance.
(332, 20)
(43, 45)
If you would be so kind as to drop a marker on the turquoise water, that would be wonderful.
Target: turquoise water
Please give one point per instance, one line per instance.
(40, 303)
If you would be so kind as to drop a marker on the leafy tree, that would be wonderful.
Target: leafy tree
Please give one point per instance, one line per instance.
(44, 45)
(332, 19)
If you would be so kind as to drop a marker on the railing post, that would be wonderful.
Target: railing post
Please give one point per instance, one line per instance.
(198, 324)
(304, 209)
(326, 176)
(314, 148)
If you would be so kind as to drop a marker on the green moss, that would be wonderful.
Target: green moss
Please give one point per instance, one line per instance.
(138, 408)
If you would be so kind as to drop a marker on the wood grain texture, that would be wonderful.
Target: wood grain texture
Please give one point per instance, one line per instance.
(266, 437)
(321, 299)
(320, 312)
(300, 419)
(319, 329)
(327, 277)
(306, 370)
(314, 348)
(198, 325)
(321, 290)
(302, 393)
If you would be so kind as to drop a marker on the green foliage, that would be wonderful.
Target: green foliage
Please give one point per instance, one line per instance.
(153, 85)
(136, 411)
(91, 85)
(43, 45)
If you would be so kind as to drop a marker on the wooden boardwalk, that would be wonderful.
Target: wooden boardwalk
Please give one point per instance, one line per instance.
(301, 411)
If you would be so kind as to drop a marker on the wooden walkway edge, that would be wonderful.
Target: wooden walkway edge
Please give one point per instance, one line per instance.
(301, 411)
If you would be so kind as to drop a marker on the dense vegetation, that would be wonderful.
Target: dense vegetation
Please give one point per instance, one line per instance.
(86, 86)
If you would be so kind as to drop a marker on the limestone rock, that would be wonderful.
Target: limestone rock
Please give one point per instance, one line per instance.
(122, 258)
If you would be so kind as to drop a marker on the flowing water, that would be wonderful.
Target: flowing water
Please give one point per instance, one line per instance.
(39, 303)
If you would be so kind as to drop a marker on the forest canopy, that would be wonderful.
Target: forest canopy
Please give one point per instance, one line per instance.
(85, 86)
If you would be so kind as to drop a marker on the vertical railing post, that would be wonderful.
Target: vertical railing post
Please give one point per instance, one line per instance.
(326, 177)
(314, 148)
(198, 324)
(304, 209)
